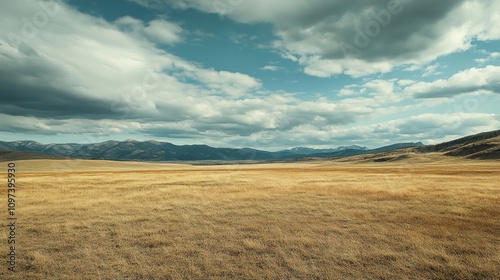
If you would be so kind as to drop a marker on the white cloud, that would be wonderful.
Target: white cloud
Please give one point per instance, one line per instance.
(271, 68)
(81, 74)
(443, 127)
(428, 128)
(490, 57)
(163, 31)
(81, 66)
(431, 70)
(406, 82)
(358, 38)
(232, 84)
(348, 92)
(380, 87)
(158, 30)
(467, 81)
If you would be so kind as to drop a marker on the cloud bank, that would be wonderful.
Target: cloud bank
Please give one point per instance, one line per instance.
(66, 72)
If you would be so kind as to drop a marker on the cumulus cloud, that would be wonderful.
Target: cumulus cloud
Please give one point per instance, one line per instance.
(77, 65)
(158, 30)
(431, 70)
(78, 71)
(444, 124)
(467, 81)
(405, 82)
(489, 58)
(74, 73)
(428, 128)
(358, 37)
(271, 68)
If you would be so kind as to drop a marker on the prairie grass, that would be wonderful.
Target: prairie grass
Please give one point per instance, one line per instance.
(316, 220)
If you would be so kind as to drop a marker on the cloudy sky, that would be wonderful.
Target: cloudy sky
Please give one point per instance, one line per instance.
(249, 73)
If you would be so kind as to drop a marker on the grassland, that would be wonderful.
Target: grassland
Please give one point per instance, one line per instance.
(420, 218)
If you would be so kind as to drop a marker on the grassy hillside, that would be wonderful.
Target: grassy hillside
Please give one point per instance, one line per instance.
(11, 155)
(316, 220)
(484, 137)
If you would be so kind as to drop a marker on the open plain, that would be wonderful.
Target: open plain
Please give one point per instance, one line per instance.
(424, 217)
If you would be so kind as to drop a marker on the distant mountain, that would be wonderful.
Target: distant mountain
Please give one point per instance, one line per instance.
(481, 146)
(131, 150)
(11, 156)
(163, 151)
(35, 147)
(311, 151)
(344, 151)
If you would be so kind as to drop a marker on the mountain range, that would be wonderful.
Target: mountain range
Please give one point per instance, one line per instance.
(132, 150)
(474, 146)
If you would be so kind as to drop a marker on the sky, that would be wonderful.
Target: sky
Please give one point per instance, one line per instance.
(249, 73)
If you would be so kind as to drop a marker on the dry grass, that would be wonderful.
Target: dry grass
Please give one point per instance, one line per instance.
(324, 220)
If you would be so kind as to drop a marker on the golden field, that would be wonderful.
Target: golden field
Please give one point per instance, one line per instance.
(428, 217)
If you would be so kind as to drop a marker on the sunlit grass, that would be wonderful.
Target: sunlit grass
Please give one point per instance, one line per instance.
(319, 220)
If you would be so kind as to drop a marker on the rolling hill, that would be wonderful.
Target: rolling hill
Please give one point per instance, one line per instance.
(13, 155)
(484, 145)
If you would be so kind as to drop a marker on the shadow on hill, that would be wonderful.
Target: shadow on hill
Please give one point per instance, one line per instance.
(12, 156)
(392, 158)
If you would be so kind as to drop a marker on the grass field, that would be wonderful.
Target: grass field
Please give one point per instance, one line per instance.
(418, 219)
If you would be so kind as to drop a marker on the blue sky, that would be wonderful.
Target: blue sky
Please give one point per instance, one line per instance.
(261, 74)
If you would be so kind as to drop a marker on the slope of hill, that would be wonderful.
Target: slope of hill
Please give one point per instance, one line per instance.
(484, 145)
(355, 152)
(13, 155)
(481, 149)
(310, 151)
(480, 146)
(448, 146)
